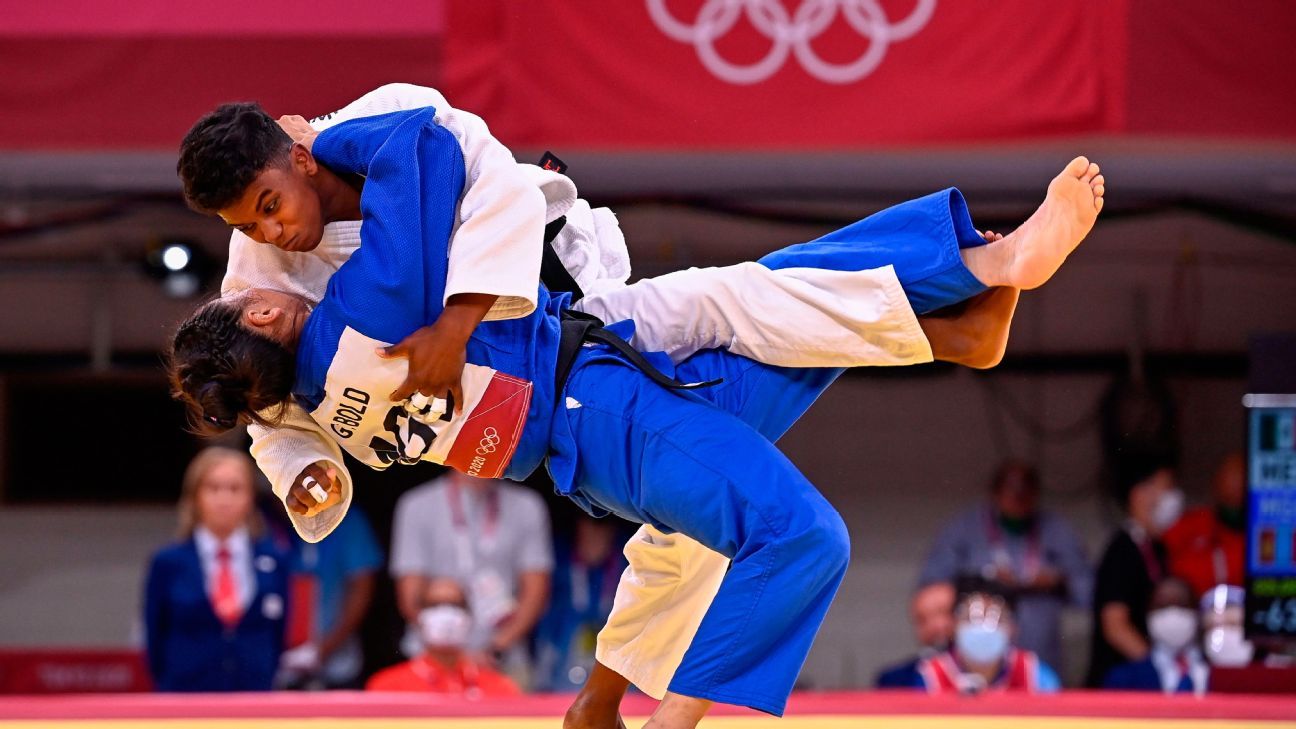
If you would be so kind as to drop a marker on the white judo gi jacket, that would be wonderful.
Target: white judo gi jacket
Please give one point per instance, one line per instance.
(801, 317)
(789, 317)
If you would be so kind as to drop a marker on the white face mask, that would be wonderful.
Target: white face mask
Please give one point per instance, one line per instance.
(1227, 646)
(979, 644)
(444, 626)
(1172, 628)
(1169, 507)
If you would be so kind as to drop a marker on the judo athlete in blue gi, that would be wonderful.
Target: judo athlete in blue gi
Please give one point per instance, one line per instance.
(695, 461)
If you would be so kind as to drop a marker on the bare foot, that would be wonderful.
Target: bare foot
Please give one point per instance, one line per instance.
(975, 332)
(1029, 256)
(1042, 243)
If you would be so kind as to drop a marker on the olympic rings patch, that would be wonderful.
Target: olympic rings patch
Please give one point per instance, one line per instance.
(489, 442)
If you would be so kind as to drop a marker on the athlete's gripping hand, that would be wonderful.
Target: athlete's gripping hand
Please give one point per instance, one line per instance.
(316, 489)
(437, 352)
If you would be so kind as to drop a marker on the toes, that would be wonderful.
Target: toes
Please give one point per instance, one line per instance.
(1098, 204)
(1078, 166)
(1097, 182)
(1099, 190)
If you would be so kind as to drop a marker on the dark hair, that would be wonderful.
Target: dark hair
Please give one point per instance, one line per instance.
(1011, 466)
(968, 585)
(1130, 468)
(224, 151)
(225, 374)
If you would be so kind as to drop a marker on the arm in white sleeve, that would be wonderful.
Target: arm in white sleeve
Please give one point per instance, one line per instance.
(284, 451)
(496, 247)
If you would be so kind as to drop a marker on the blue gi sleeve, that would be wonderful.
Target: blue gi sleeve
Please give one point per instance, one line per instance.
(350, 147)
(395, 282)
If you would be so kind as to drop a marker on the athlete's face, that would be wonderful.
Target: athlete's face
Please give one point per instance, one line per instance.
(281, 207)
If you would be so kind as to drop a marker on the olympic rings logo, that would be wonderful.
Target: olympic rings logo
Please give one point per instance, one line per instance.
(790, 33)
(489, 442)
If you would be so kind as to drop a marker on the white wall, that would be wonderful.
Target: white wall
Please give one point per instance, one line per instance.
(74, 576)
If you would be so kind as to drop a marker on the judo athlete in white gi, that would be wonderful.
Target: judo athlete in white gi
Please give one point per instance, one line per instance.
(758, 510)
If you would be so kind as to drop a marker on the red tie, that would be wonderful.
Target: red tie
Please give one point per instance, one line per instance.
(225, 599)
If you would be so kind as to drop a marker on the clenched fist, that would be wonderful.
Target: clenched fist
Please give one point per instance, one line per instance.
(316, 489)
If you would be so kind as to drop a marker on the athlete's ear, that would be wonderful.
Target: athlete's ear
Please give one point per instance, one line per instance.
(302, 159)
(259, 314)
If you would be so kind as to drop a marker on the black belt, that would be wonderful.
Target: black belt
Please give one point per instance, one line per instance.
(553, 274)
(579, 327)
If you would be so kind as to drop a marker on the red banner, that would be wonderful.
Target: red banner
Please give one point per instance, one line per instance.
(658, 74)
(56, 671)
(84, 74)
(776, 73)
(806, 74)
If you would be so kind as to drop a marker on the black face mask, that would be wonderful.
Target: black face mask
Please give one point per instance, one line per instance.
(1232, 518)
(1016, 526)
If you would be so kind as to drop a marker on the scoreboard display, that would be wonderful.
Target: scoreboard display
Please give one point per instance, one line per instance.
(1271, 517)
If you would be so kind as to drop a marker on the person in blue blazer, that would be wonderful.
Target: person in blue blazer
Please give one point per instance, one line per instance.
(1174, 662)
(214, 602)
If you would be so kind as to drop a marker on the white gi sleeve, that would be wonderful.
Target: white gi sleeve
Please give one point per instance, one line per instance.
(284, 451)
(496, 246)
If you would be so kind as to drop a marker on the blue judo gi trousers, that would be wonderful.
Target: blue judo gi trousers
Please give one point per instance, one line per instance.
(703, 462)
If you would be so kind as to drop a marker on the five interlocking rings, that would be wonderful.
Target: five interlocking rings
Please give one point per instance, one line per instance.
(791, 33)
(490, 440)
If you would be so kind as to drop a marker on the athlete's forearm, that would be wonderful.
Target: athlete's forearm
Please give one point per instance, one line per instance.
(462, 314)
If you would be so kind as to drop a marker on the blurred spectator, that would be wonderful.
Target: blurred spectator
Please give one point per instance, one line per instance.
(983, 657)
(1206, 547)
(1175, 663)
(931, 612)
(333, 584)
(444, 667)
(589, 565)
(214, 601)
(1033, 553)
(1132, 564)
(489, 536)
(1223, 611)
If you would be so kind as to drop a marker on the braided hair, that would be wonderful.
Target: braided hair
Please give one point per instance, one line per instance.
(226, 374)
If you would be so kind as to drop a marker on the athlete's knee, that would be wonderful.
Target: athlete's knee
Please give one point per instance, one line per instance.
(823, 541)
(833, 541)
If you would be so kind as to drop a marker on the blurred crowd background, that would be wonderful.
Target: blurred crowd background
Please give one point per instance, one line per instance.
(1075, 517)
